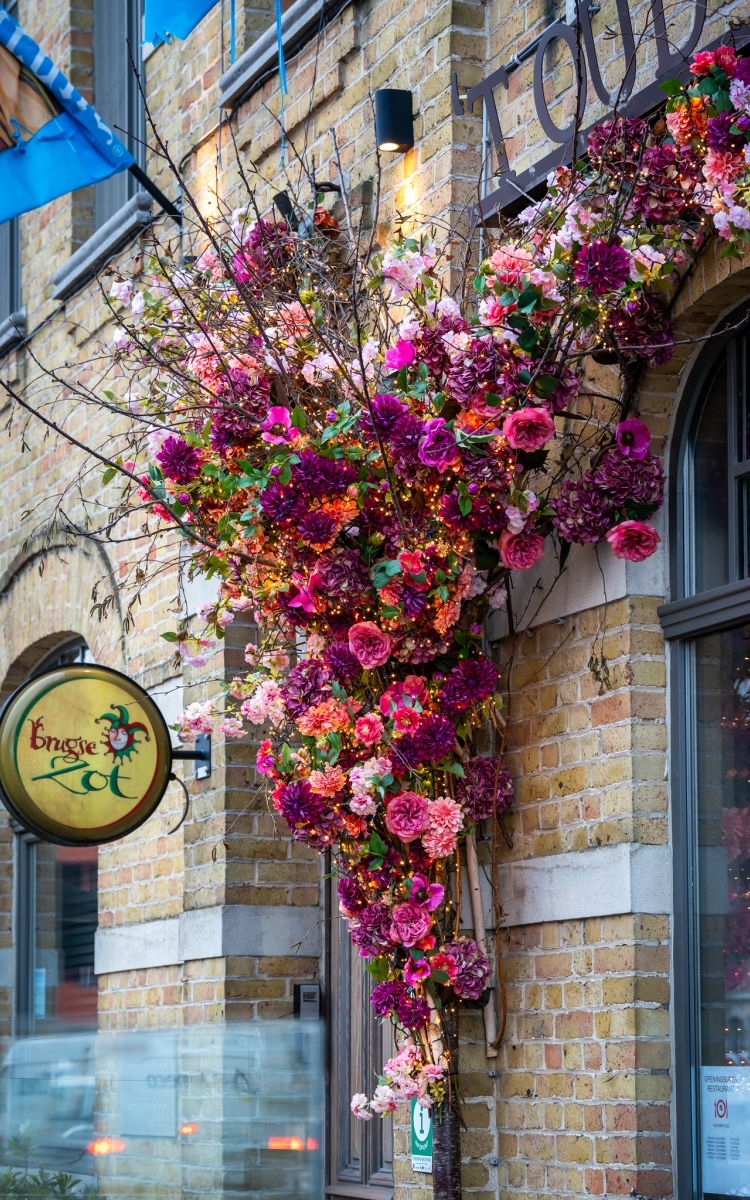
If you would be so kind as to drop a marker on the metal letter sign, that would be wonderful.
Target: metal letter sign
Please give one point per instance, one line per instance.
(580, 41)
(85, 755)
(421, 1138)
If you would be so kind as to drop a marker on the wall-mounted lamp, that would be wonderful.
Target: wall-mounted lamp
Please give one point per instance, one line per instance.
(394, 121)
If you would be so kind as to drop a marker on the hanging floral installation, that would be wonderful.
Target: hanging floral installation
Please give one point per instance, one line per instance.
(366, 450)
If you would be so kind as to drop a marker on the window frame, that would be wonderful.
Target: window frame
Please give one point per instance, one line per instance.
(683, 620)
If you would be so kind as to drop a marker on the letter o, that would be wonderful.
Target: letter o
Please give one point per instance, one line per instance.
(554, 132)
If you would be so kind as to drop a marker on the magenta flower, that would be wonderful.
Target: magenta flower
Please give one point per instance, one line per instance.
(633, 438)
(429, 895)
(407, 816)
(277, 427)
(416, 971)
(437, 446)
(400, 355)
(602, 267)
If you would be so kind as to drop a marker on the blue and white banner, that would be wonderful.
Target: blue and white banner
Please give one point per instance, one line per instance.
(173, 18)
(51, 140)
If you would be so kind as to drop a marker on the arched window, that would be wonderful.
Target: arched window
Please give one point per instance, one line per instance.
(708, 625)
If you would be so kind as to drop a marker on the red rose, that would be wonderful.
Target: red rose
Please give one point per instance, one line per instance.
(369, 644)
(633, 540)
(528, 428)
(519, 551)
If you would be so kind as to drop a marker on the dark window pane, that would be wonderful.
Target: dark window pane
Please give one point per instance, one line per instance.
(722, 738)
(65, 990)
(710, 498)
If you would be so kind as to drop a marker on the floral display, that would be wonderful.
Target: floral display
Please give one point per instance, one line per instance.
(366, 453)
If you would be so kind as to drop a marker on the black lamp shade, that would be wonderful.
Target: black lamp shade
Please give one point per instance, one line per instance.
(394, 123)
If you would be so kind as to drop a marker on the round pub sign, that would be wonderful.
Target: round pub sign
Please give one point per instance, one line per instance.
(85, 755)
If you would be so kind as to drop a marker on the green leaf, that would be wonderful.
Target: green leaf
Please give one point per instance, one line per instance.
(708, 86)
(402, 379)
(440, 976)
(286, 757)
(722, 103)
(493, 400)
(544, 385)
(378, 968)
(457, 769)
(109, 475)
(286, 473)
(671, 86)
(465, 504)
(169, 637)
(528, 339)
(528, 300)
(299, 420)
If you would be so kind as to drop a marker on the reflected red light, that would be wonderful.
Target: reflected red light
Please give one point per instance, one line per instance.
(286, 1143)
(106, 1145)
(191, 1127)
(313, 1144)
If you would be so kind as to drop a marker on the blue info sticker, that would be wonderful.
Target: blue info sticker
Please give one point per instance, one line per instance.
(725, 1130)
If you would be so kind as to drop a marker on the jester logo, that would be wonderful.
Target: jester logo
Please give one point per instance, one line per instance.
(119, 739)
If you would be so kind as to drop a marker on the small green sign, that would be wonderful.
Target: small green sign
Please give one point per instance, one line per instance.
(421, 1138)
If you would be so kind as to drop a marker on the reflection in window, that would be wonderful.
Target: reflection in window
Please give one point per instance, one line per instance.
(710, 501)
(722, 672)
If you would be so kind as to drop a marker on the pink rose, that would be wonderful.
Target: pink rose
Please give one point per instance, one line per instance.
(633, 438)
(528, 428)
(406, 720)
(634, 540)
(369, 644)
(407, 816)
(519, 551)
(369, 729)
(400, 355)
(411, 561)
(411, 923)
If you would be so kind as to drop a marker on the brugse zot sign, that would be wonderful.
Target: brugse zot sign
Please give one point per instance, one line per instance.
(85, 755)
(671, 63)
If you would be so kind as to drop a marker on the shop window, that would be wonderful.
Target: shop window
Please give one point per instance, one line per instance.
(709, 630)
(360, 1153)
(55, 919)
(118, 36)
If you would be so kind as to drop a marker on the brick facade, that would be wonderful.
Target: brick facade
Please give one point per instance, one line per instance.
(578, 1101)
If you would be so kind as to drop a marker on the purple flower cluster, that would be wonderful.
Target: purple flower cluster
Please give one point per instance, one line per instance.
(642, 329)
(392, 996)
(351, 896)
(470, 682)
(283, 505)
(299, 804)
(719, 134)
(582, 512)
(486, 784)
(618, 141)
(386, 412)
(305, 685)
(371, 930)
(179, 461)
(343, 576)
(474, 970)
(668, 178)
(344, 665)
(640, 481)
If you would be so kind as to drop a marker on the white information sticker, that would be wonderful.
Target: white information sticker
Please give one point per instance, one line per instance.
(725, 1130)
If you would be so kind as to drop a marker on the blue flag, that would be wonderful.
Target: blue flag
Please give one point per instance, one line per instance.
(173, 18)
(51, 140)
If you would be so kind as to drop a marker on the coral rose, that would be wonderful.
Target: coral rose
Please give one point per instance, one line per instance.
(369, 644)
(528, 428)
(411, 922)
(407, 816)
(634, 540)
(688, 122)
(519, 551)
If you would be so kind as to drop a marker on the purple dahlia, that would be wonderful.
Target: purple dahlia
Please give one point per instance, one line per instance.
(351, 896)
(178, 461)
(470, 682)
(602, 267)
(436, 737)
(317, 529)
(643, 329)
(317, 476)
(344, 665)
(719, 134)
(386, 413)
(412, 1012)
(281, 504)
(299, 804)
(387, 996)
(404, 443)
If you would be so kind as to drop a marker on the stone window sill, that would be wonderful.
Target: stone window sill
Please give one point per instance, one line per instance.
(12, 330)
(297, 24)
(94, 252)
